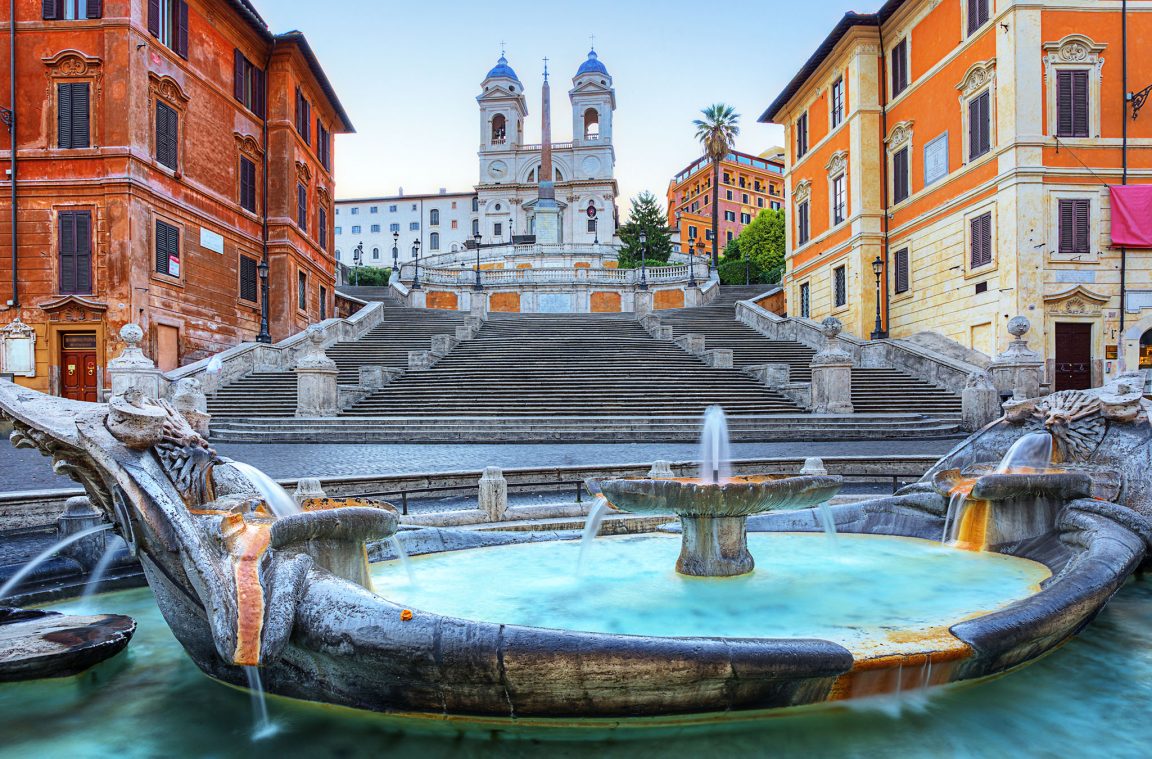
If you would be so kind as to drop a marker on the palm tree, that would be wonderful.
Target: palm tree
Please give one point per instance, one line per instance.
(717, 132)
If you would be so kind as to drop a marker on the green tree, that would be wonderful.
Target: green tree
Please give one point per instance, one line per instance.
(647, 216)
(369, 276)
(717, 132)
(763, 242)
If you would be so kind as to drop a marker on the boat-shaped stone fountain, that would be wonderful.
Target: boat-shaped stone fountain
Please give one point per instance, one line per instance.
(290, 594)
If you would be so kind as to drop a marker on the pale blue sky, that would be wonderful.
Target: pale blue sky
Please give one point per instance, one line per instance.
(408, 73)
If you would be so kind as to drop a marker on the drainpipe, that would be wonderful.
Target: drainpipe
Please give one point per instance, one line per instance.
(265, 336)
(884, 164)
(10, 117)
(1124, 175)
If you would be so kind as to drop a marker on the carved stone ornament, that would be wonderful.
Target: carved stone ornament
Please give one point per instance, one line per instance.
(324, 196)
(132, 357)
(978, 76)
(303, 172)
(314, 356)
(802, 190)
(1018, 350)
(1075, 301)
(18, 349)
(72, 63)
(900, 136)
(167, 89)
(832, 353)
(74, 309)
(838, 162)
(1075, 48)
(979, 381)
(249, 146)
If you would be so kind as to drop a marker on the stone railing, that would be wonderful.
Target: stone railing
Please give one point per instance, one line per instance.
(502, 253)
(941, 370)
(553, 275)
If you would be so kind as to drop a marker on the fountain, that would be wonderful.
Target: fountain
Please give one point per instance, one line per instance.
(483, 637)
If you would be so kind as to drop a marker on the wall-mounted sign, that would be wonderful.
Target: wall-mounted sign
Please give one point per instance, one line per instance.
(211, 241)
(18, 349)
(936, 159)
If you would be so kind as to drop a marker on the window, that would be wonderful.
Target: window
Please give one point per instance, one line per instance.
(413, 226)
(339, 230)
(802, 223)
(1072, 103)
(728, 195)
(323, 303)
(838, 102)
(759, 202)
(376, 254)
(745, 218)
(302, 291)
(902, 285)
(355, 229)
(839, 200)
(375, 228)
(322, 232)
(324, 148)
(455, 224)
(75, 252)
(979, 125)
(744, 198)
(453, 205)
(71, 10)
(977, 14)
(303, 117)
(498, 230)
(167, 249)
(742, 182)
(900, 67)
(727, 178)
(801, 136)
(434, 217)
(591, 225)
(475, 205)
(247, 184)
(729, 236)
(900, 175)
(391, 209)
(729, 216)
(355, 212)
(805, 300)
(708, 234)
(72, 119)
(393, 227)
(692, 231)
(248, 84)
(980, 240)
(168, 22)
(775, 205)
(248, 278)
(414, 206)
(1075, 226)
(840, 286)
(475, 227)
(166, 130)
(302, 207)
(374, 209)
(434, 241)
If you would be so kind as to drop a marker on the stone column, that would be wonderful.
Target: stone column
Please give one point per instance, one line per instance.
(831, 374)
(1018, 371)
(494, 494)
(317, 391)
(980, 401)
(132, 369)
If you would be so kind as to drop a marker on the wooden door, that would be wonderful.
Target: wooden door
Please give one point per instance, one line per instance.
(1073, 356)
(78, 367)
(167, 347)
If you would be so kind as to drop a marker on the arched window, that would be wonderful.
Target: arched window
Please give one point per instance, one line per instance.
(376, 253)
(434, 241)
(455, 247)
(475, 227)
(499, 129)
(1146, 350)
(475, 204)
(434, 217)
(337, 254)
(556, 175)
(591, 124)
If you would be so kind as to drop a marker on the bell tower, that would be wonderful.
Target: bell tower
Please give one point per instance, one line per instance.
(502, 112)
(593, 101)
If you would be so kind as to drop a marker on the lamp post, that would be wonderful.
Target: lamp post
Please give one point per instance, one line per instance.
(511, 236)
(396, 254)
(416, 255)
(357, 262)
(262, 270)
(878, 268)
(479, 285)
(643, 260)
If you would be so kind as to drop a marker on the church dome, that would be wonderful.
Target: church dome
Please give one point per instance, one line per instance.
(502, 69)
(592, 65)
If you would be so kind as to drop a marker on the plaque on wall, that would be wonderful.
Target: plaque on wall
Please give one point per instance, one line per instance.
(18, 349)
(936, 159)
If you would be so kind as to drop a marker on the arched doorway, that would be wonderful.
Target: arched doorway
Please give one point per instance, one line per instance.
(1146, 350)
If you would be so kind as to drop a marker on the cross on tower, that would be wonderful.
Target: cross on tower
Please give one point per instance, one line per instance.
(501, 48)
(545, 68)
(592, 39)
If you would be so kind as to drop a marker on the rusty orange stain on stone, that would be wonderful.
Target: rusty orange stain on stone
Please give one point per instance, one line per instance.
(247, 546)
(441, 299)
(506, 302)
(665, 299)
(973, 532)
(605, 302)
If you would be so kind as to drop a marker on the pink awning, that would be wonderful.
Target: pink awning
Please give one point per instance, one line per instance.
(1131, 215)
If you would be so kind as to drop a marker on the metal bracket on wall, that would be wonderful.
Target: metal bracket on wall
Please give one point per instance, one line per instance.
(8, 117)
(1137, 99)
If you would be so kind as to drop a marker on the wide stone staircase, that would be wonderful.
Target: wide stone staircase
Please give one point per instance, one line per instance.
(874, 390)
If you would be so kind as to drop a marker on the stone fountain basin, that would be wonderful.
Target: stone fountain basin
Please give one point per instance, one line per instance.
(736, 497)
(1003, 486)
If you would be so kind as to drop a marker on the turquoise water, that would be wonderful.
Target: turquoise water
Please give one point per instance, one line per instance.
(1089, 699)
(852, 592)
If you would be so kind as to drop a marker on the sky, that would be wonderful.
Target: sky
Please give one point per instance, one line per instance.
(408, 74)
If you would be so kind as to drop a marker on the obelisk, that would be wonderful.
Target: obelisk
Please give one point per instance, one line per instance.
(547, 226)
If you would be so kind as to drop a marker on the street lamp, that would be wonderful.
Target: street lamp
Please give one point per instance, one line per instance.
(396, 254)
(416, 255)
(643, 260)
(357, 261)
(262, 269)
(478, 286)
(511, 237)
(878, 268)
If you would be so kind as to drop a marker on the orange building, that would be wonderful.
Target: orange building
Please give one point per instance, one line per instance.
(966, 147)
(748, 185)
(165, 150)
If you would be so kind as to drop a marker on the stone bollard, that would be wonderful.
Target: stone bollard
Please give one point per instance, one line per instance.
(307, 487)
(642, 302)
(693, 342)
(666, 333)
(831, 374)
(418, 360)
(494, 494)
(479, 307)
(775, 375)
(464, 332)
(661, 470)
(79, 515)
(474, 323)
(719, 358)
(442, 344)
(372, 377)
(813, 465)
(132, 369)
(192, 404)
(317, 390)
(1018, 370)
(980, 401)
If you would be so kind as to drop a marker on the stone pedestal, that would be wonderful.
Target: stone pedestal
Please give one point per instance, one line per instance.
(1018, 371)
(317, 391)
(464, 332)
(494, 494)
(980, 402)
(642, 302)
(442, 344)
(693, 342)
(132, 369)
(372, 377)
(418, 360)
(479, 309)
(661, 470)
(714, 547)
(307, 487)
(831, 374)
(775, 375)
(719, 358)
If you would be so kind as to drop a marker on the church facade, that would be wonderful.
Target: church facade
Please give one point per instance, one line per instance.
(581, 171)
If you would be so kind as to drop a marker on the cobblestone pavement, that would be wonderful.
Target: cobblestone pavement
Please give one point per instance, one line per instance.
(28, 470)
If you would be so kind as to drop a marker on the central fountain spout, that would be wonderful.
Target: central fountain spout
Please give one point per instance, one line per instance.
(714, 508)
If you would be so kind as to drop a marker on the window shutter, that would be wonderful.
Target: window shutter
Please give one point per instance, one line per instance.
(166, 126)
(154, 17)
(1080, 213)
(83, 252)
(161, 247)
(238, 72)
(900, 174)
(181, 35)
(1079, 103)
(1063, 103)
(248, 278)
(1067, 227)
(981, 243)
(95, 8)
(64, 115)
(52, 9)
(902, 270)
(322, 232)
(80, 121)
(258, 98)
(67, 244)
